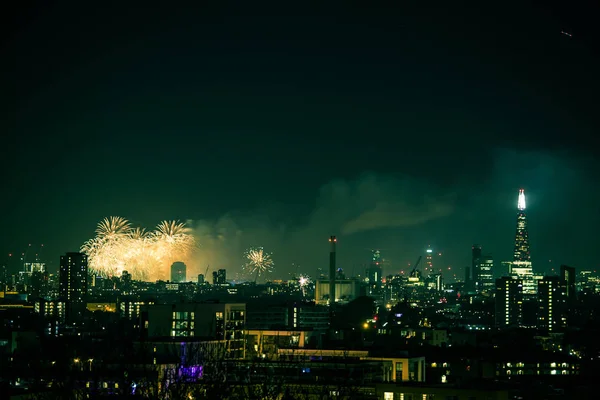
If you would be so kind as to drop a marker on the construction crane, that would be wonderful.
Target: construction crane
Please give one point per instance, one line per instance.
(413, 273)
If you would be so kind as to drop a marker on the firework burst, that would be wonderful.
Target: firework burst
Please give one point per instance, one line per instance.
(118, 247)
(303, 282)
(112, 228)
(258, 262)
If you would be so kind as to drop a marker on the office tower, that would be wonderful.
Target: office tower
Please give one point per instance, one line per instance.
(567, 274)
(505, 268)
(429, 260)
(200, 279)
(552, 299)
(521, 266)
(375, 271)
(509, 303)
(37, 283)
(126, 281)
(178, 272)
(471, 273)
(215, 278)
(485, 272)
(222, 277)
(73, 276)
(474, 272)
(435, 282)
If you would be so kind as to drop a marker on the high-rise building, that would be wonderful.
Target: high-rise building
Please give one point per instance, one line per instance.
(375, 271)
(505, 268)
(552, 299)
(221, 277)
(567, 274)
(73, 276)
(485, 274)
(435, 282)
(126, 281)
(521, 252)
(509, 303)
(482, 270)
(178, 272)
(521, 267)
(200, 279)
(475, 256)
(429, 260)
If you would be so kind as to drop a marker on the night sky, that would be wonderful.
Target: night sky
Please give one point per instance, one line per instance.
(392, 128)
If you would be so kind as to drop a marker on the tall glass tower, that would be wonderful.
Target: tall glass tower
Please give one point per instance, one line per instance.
(521, 265)
(522, 236)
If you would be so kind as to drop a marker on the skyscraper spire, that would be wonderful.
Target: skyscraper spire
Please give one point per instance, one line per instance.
(522, 236)
(521, 265)
(521, 202)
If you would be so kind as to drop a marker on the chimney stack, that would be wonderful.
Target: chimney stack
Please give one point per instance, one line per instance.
(332, 240)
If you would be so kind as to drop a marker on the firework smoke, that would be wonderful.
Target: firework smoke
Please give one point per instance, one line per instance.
(118, 247)
(258, 262)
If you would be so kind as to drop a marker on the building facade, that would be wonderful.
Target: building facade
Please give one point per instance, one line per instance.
(509, 303)
(73, 276)
(178, 272)
(208, 321)
(485, 274)
(552, 301)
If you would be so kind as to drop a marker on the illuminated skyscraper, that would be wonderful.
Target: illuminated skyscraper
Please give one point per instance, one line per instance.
(375, 271)
(521, 266)
(485, 274)
(521, 253)
(429, 260)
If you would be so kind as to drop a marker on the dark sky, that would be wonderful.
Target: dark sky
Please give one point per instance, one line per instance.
(393, 127)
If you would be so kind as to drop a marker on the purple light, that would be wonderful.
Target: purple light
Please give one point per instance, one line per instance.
(191, 373)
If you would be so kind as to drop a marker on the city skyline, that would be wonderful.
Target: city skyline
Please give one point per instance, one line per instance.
(360, 268)
(392, 129)
(300, 200)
